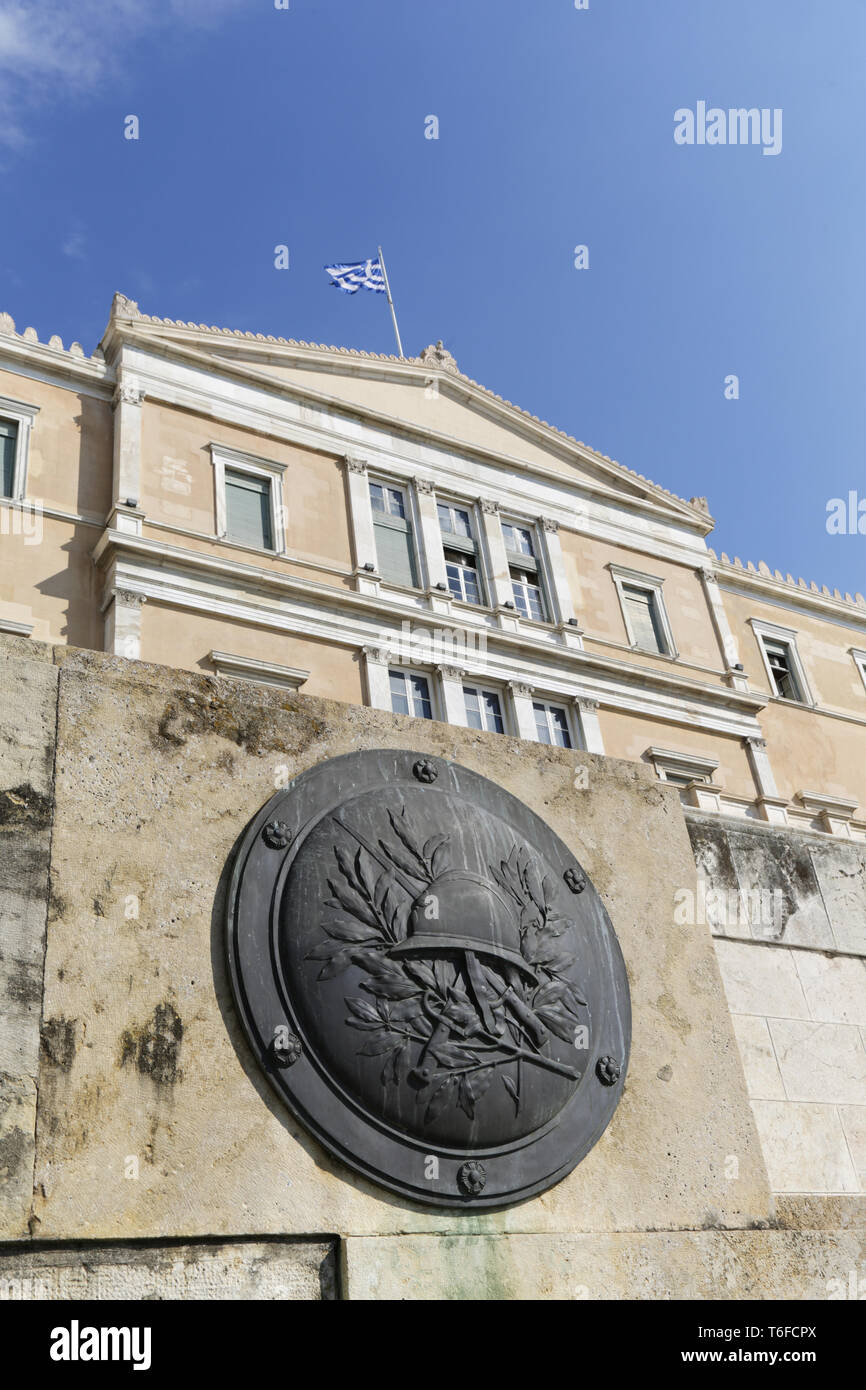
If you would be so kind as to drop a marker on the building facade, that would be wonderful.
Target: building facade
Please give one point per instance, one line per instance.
(386, 532)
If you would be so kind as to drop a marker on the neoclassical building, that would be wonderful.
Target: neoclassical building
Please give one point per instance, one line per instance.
(387, 531)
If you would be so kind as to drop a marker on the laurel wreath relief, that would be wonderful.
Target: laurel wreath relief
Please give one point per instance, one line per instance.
(433, 1025)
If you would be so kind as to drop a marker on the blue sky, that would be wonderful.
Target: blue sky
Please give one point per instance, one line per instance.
(306, 127)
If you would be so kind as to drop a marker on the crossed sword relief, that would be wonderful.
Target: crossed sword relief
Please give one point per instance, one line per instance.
(486, 988)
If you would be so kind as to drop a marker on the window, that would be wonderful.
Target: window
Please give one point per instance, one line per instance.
(643, 619)
(523, 568)
(785, 673)
(551, 723)
(781, 670)
(643, 611)
(461, 559)
(248, 497)
(16, 422)
(483, 709)
(860, 662)
(8, 450)
(410, 694)
(395, 549)
(248, 510)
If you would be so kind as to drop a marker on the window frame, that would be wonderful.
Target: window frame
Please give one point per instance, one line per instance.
(773, 633)
(385, 518)
(528, 564)
(482, 688)
(860, 662)
(575, 734)
(420, 674)
(625, 578)
(22, 415)
(466, 545)
(223, 458)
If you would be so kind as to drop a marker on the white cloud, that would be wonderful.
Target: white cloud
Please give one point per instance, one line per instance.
(49, 48)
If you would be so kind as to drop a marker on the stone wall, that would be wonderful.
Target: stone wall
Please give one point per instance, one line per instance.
(139, 1119)
(794, 969)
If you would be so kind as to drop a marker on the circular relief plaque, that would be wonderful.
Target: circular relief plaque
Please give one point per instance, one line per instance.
(428, 978)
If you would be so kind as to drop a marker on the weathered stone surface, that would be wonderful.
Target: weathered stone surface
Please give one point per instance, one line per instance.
(28, 696)
(262, 1270)
(805, 1147)
(761, 980)
(653, 1265)
(144, 1069)
(841, 872)
(759, 1060)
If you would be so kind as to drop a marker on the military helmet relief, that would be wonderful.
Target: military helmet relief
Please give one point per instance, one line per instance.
(428, 978)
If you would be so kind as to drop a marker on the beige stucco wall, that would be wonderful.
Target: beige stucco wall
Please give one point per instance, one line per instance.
(179, 638)
(600, 613)
(51, 584)
(70, 445)
(178, 482)
(824, 648)
(629, 736)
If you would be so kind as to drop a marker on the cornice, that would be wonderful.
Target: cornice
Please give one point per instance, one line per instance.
(193, 341)
(591, 669)
(785, 590)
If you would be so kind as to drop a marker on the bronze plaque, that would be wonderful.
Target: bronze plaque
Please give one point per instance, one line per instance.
(428, 977)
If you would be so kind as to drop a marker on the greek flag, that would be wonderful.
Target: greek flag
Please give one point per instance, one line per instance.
(367, 275)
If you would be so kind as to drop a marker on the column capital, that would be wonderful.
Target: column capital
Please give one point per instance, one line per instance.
(586, 703)
(355, 463)
(451, 673)
(424, 486)
(522, 689)
(489, 506)
(550, 524)
(127, 393)
(377, 656)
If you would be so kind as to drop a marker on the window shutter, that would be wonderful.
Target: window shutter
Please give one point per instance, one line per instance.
(8, 441)
(640, 606)
(248, 510)
(394, 551)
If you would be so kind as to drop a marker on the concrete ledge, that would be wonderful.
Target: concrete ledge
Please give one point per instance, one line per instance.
(261, 1270)
(707, 1265)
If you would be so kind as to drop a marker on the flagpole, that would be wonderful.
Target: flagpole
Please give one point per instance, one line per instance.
(390, 301)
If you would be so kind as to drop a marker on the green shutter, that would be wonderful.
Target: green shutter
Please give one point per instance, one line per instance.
(646, 630)
(248, 510)
(8, 442)
(395, 553)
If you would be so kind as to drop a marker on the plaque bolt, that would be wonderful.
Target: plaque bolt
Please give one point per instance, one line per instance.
(471, 1178)
(276, 834)
(288, 1050)
(608, 1071)
(575, 881)
(425, 771)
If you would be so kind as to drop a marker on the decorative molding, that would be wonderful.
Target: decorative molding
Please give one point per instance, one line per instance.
(129, 598)
(355, 463)
(586, 704)
(127, 394)
(666, 760)
(16, 629)
(258, 672)
(488, 506)
(550, 524)
(378, 656)
(818, 804)
(439, 356)
(424, 486)
(451, 673)
(521, 689)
